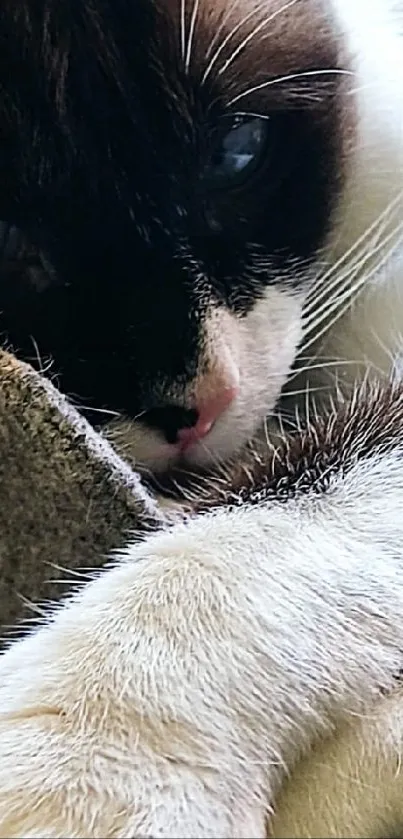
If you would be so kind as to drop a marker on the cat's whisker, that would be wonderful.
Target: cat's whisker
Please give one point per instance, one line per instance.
(393, 206)
(325, 365)
(288, 78)
(339, 284)
(302, 391)
(43, 366)
(230, 35)
(191, 35)
(251, 35)
(322, 287)
(252, 114)
(218, 463)
(307, 399)
(310, 358)
(340, 305)
(341, 290)
(105, 411)
(396, 340)
(183, 28)
(224, 20)
(370, 243)
(224, 43)
(287, 418)
(139, 415)
(360, 88)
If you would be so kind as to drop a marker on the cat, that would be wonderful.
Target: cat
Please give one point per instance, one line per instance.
(218, 189)
(213, 185)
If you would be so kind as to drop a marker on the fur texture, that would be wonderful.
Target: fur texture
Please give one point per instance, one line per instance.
(163, 267)
(172, 695)
(174, 692)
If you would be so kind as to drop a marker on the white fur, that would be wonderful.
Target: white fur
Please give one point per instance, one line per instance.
(169, 697)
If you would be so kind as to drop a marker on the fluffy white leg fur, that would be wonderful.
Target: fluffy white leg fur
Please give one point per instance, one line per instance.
(168, 696)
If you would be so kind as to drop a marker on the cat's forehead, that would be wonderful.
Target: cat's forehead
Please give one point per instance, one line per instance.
(210, 58)
(230, 43)
(213, 58)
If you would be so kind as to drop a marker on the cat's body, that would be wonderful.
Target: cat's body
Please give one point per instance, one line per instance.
(172, 696)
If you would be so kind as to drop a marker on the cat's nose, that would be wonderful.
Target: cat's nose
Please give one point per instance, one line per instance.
(170, 420)
(208, 412)
(215, 390)
(183, 427)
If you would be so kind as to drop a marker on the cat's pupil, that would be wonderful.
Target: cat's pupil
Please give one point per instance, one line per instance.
(238, 151)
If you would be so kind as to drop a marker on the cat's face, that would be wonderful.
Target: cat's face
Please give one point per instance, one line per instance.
(179, 161)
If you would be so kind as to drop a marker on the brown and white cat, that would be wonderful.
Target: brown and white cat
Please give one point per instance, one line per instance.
(214, 183)
(219, 190)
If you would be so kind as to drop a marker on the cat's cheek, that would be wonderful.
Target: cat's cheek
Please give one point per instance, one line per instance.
(267, 340)
(262, 346)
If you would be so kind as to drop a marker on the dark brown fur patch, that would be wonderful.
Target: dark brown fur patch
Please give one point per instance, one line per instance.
(249, 48)
(271, 38)
(113, 114)
(367, 426)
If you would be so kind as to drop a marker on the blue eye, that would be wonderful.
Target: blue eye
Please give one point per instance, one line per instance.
(238, 151)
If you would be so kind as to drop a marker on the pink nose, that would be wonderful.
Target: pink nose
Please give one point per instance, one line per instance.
(209, 411)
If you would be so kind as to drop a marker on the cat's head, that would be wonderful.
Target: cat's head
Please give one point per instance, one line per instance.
(180, 162)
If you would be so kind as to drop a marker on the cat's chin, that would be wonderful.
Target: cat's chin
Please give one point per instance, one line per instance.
(144, 449)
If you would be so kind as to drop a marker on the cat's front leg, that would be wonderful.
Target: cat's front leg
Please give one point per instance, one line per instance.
(167, 698)
(130, 713)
